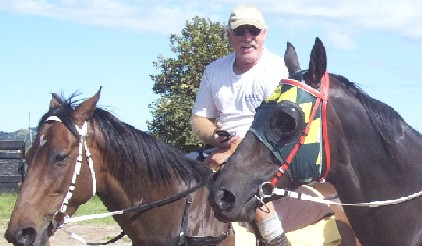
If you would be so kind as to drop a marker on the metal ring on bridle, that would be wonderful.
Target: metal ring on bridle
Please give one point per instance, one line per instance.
(266, 190)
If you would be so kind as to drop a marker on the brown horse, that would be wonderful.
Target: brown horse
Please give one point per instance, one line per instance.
(81, 151)
(371, 156)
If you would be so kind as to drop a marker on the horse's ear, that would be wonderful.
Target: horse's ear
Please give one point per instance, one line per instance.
(317, 64)
(55, 101)
(85, 110)
(290, 59)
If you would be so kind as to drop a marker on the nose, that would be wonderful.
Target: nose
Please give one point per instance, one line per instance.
(23, 237)
(248, 36)
(225, 200)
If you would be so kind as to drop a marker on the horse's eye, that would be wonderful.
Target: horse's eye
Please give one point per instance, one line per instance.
(286, 123)
(60, 158)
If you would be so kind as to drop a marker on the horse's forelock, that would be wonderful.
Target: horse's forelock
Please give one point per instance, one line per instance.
(64, 113)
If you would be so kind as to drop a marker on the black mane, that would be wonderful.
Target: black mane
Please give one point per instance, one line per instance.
(389, 124)
(383, 116)
(132, 151)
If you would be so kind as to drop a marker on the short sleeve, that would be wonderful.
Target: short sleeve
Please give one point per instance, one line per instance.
(204, 104)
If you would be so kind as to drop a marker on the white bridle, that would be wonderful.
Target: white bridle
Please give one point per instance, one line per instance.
(83, 133)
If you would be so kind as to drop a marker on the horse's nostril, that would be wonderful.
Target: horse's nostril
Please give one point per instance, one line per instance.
(26, 236)
(225, 200)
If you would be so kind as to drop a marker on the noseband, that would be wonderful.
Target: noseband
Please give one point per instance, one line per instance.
(83, 134)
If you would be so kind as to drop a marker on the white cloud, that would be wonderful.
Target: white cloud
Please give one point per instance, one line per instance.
(402, 17)
(342, 20)
(341, 40)
(344, 16)
(134, 15)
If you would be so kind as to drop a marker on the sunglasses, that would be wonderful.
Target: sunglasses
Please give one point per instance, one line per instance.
(241, 31)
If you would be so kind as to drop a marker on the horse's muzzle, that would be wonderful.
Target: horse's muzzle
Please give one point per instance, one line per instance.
(23, 237)
(28, 235)
(224, 200)
(226, 208)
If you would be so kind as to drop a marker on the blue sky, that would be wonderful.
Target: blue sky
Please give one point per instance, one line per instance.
(67, 45)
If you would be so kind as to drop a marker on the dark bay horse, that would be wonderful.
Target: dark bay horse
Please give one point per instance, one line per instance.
(81, 150)
(369, 153)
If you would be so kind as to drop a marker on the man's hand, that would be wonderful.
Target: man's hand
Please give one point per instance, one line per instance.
(222, 138)
(219, 156)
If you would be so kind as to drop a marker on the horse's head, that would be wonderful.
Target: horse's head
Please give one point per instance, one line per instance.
(277, 128)
(52, 187)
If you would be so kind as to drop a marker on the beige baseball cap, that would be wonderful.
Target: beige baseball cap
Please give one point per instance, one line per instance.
(246, 15)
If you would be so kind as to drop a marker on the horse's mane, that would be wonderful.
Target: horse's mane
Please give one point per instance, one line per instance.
(384, 118)
(134, 152)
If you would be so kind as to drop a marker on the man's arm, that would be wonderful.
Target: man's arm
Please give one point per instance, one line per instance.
(204, 129)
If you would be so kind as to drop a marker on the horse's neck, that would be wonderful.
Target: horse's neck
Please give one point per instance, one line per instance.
(366, 168)
(156, 223)
(161, 224)
(362, 160)
(128, 190)
(132, 191)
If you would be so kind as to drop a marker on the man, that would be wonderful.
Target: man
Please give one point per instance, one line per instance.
(230, 90)
(233, 86)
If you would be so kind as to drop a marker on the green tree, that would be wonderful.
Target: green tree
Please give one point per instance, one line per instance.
(200, 42)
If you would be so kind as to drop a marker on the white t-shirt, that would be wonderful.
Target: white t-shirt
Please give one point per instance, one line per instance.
(234, 97)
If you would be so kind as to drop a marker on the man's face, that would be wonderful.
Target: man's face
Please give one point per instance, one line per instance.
(247, 42)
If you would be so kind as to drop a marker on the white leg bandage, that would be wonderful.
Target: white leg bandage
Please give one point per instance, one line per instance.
(270, 227)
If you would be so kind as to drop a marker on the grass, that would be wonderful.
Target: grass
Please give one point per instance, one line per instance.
(93, 206)
(6, 206)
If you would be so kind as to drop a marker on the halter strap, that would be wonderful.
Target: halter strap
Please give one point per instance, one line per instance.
(83, 133)
(324, 90)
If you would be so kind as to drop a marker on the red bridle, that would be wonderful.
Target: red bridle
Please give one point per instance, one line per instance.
(321, 97)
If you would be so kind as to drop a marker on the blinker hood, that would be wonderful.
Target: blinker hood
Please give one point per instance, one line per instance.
(279, 123)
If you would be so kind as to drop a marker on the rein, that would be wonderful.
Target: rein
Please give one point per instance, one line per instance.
(138, 208)
(305, 197)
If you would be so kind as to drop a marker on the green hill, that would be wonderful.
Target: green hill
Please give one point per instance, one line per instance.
(20, 135)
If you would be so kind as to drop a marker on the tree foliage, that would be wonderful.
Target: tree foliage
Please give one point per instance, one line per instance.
(199, 43)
